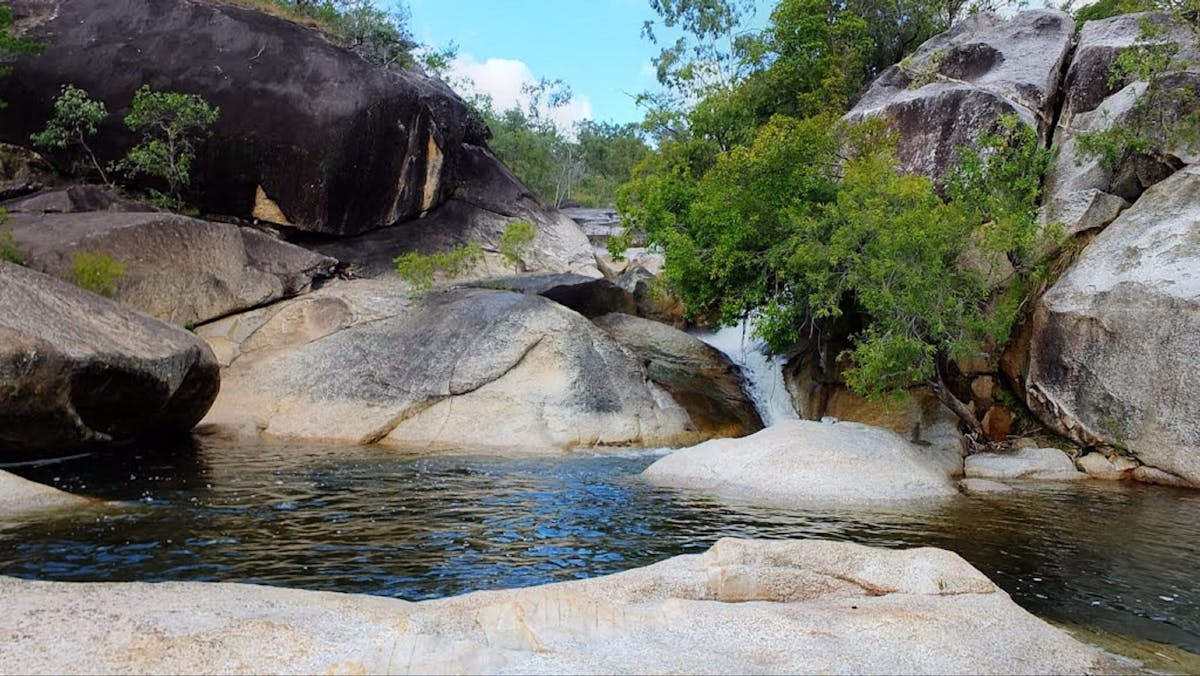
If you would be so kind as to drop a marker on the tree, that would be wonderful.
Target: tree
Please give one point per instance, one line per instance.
(172, 125)
(76, 116)
(811, 234)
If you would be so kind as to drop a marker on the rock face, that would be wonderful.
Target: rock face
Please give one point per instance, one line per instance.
(589, 296)
(801, 462)
(309, 132)
(77, 369)
(698, 376)
(460, 368)
(981, 70)
(1081, 192)
(179, 269)
(21, 497)
(742, 606)
(1115, 341)
(489, 199)
(22, 171)
(1044, 464)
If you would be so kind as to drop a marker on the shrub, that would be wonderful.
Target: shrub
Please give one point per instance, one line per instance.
(96, 272)
(419, 270)
(76, 116)
(172, 126)
(515, 241)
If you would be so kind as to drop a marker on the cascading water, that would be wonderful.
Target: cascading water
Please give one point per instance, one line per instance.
(763, 373)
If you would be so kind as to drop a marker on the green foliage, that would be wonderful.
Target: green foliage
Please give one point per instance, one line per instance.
(76, 116)
(515, 241)
(1104, 9)
(420, 270)
(379, 35)
(8, 244)
(96, 272)
(172, 125)
(12, 45)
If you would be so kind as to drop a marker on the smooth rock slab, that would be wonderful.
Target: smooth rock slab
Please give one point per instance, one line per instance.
(461, 368)
(744, 606)
(801, 461)
(179, 269)
(1045, 464)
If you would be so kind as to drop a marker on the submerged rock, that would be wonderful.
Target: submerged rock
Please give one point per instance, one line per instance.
(801, 461)
(21, 497)
(179, 269)
(460, 368)
(697, 375)
(77, 369)
(742, 606)
(1116, 340)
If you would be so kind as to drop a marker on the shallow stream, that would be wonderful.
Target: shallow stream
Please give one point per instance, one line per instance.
(1111, 557)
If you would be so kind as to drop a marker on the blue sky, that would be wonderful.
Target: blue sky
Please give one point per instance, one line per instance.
(593, 45)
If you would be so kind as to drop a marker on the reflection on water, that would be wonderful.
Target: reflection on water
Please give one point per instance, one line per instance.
(1118, 558)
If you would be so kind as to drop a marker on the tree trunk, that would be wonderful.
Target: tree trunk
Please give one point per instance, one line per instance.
(959, 409)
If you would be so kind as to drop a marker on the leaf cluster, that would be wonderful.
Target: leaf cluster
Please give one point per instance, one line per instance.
(172, 125)
(421, 270)
(515, 242)
(97, 272)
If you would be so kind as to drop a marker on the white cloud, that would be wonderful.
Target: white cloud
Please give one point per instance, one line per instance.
(502, 79)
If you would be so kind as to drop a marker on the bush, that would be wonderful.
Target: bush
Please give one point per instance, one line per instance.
(172, 126)
(76, 116)
(420, 270)
(378, 35)
(97, 272)
(515, 241)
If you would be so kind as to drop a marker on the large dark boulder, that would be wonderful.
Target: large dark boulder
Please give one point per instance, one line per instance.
(309, 133)
(79, 370)
(178, 269)
(589, 296)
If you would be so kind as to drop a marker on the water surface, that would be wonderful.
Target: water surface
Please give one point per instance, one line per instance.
(1115, 558)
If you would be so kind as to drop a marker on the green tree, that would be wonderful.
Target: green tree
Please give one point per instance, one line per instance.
(515, 242)
(172, 125)
(76, 116)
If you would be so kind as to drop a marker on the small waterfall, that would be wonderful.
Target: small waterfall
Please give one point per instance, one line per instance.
(763, 373)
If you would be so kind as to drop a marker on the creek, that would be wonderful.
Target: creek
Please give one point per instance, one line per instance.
(1118, 558)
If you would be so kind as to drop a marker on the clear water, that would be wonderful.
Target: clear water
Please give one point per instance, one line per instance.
(1116, 558)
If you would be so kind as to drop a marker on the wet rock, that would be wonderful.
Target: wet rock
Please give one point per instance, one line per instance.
(1041, 464)
(984, 487)
(699, 377)
(981, 70)
(179, 269)
(1108, 468)
(800, 462)
(79, 370)
(426, 373)
(21, 497)
(1116, 339)
(742, 606)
